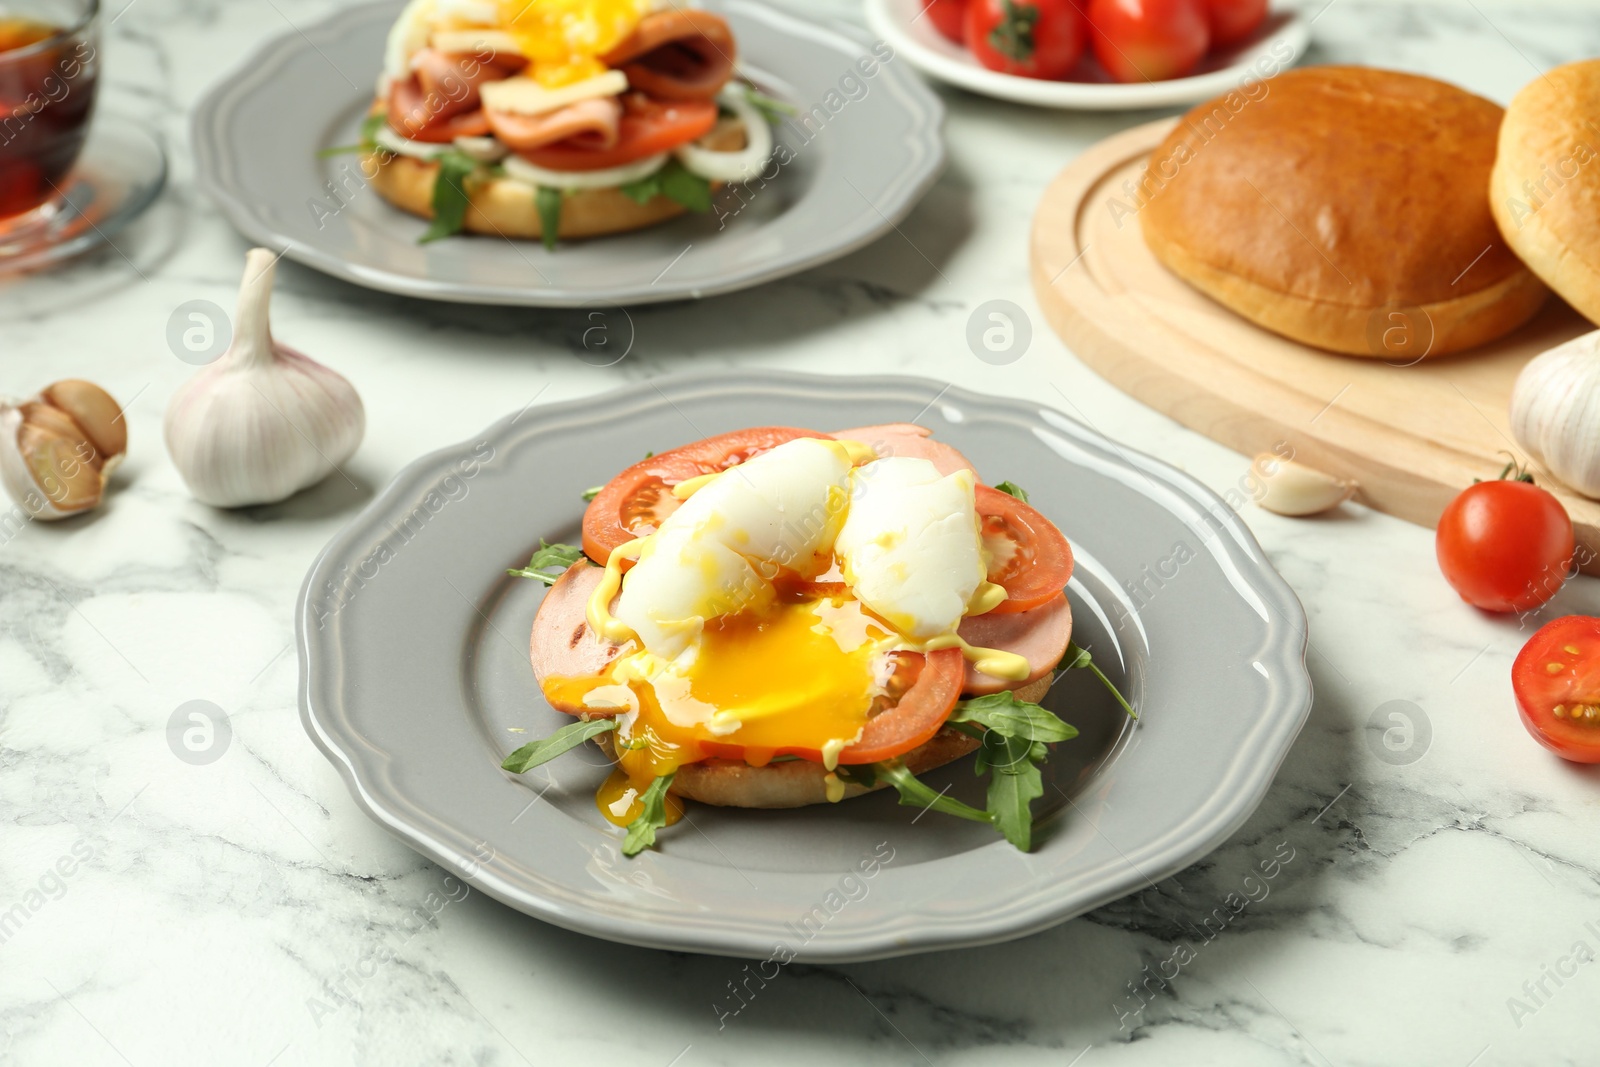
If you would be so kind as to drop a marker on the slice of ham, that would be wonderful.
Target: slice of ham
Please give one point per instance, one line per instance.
(441, 99)
(1039, 636)
(677, 55)
(562, 645)
(596, 120)
(908, 439)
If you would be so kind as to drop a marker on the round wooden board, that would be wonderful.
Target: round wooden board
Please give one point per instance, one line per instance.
(1413, 436)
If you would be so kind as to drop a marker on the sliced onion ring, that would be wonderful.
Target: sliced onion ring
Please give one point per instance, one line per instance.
(738, 166)
(523, 171)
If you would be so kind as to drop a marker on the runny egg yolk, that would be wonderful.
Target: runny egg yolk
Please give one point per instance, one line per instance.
(563, 39)
(798, 676)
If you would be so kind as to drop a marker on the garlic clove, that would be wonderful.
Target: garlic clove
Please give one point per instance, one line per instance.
(95, 412)
(49, 461)
(1290, 488)
(1555, 412)
(263, 421)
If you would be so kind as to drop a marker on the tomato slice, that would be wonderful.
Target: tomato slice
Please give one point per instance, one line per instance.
(922, 691)
(648, 126)
(1556, 678)
(635, 502)
(1028, 555)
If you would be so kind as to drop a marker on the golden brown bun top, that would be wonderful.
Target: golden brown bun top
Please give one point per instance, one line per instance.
(1552, 134)
(1349, 185)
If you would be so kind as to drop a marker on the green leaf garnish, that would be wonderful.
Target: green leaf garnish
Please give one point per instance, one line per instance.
(1013, 489)
(1014, 783)
(1004, 713)
(914, 794)
(676, 183)
(565, 739)
(450, 196)
(548, 558)
(774, 111)
(1078, 658)
(369, 138)
(548, 201)
(592, 492)
(642, 831)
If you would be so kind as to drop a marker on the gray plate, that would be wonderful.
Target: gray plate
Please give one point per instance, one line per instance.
(414, 675)
(867, 153)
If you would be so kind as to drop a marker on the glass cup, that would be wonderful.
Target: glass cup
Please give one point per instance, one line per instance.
(49, 62)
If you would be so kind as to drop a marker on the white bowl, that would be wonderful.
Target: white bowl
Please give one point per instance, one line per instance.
(1275, 47)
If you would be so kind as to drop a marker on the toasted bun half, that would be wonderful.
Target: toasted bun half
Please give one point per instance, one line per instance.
(1345, 208)
(1545, 186)
(796, 783)
(501, 207)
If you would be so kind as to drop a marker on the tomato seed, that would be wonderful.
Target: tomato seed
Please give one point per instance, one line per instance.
(1572, 649)
(1554, 668)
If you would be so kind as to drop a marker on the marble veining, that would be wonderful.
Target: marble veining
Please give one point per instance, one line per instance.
(1437, 903)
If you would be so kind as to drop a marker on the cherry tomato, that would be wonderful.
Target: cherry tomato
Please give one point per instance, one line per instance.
(1504, 545)
(648, 126)
(635, 502)
(949, 17)
(1233, 21)
(1556, 678)
(1148, 40)
(1027, 554)
(1029, 38)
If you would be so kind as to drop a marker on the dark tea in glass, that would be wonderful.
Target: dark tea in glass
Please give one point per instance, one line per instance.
(48, 69)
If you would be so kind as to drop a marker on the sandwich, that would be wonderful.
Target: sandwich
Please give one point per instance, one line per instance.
(562, 118)
(779, 617)
(1344, 207)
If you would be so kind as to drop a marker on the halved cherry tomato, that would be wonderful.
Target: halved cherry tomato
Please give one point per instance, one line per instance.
(928, 686)
(1028, 555)
(1556, 678)
(1504, 545)
(648, 126)
(635, 502)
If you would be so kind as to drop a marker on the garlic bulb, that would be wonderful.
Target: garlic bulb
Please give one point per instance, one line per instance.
(263, 421)
(1555, 411)
(58, 449)
(1290, 488)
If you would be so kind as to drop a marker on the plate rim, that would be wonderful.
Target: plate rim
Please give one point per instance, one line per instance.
(1285, 709)
(214, 178)
(1082, 96)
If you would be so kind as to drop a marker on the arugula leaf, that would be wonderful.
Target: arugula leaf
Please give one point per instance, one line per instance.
(450, 196)
(1077, 658)
(676, 183)
(548, 201)
(773, 110)
(592, 492)
(642, 831)
(369, 138)
(858, 774)
(1014, 783)
(547, 559)
(1013, 489)
(565, 739)
(1002, 712)
(914, 794)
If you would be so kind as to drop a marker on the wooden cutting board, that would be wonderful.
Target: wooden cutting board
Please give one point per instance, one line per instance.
(1412, 436)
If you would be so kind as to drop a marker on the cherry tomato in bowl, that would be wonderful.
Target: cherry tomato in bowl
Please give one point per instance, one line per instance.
(1504, 545)
(1148, 40)
(1234, 21)
(1028, 38)
(1556, 679)
(949, 17)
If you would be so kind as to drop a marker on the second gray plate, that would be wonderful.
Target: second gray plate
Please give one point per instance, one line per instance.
(863, 149)
(415, 682)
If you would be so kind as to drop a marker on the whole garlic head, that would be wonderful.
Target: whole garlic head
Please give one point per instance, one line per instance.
(58, 450)
(263, 421)
(1555, 411)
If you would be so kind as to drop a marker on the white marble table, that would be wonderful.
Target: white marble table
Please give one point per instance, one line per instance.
(234, 913)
